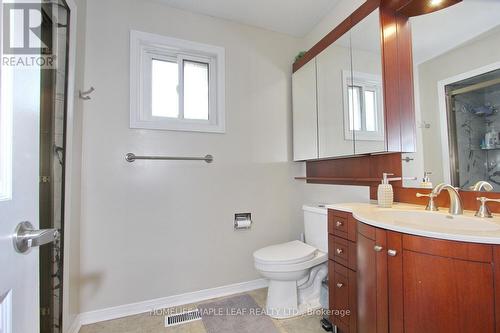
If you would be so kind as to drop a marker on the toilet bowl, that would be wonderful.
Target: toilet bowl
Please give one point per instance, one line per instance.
(296, 269)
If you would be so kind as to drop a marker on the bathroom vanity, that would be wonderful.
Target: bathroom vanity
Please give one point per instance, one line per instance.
(405, 269)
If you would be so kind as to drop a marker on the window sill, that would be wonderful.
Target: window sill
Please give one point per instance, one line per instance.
(184, 127)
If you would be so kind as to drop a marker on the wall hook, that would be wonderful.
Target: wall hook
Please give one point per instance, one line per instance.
(85, 94)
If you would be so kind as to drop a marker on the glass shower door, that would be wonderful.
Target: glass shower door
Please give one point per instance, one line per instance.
(53, 85)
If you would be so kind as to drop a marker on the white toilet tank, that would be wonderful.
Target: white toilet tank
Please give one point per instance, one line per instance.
(316, 226)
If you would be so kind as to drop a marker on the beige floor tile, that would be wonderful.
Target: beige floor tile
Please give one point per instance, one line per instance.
(302, 324)
(148, 323)
(260, 296)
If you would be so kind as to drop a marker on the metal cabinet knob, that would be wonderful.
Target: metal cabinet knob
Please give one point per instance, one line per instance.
(339, 224)
(25, 237)
(378, 248)
(392, 253)
(340, 251)
(340, 285)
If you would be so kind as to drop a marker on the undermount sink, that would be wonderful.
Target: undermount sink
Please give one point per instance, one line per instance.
(437, 221)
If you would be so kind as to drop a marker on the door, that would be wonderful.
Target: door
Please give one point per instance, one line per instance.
(19, 167)
(19, 279)
(334, 72)
(372, 279)
(447, 286)
(366, 91)
(305, 116)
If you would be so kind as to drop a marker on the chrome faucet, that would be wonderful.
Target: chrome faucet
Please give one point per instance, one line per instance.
(483, 210)
(431, 204)
(455, 200)
(480, 185)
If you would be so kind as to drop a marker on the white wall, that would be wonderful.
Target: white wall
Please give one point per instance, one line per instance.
(152, 229)
(340, 12)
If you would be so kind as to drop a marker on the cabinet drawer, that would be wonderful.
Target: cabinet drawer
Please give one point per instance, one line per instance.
(342, 289)
(341, 224)
(337, 225)
(342, 251)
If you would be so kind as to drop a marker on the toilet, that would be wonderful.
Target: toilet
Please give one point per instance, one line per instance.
(296, 269)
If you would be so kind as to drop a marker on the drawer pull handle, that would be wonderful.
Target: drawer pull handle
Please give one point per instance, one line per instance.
(340, 251)
(378, 248)
(340, 285)
(392, 253)
(339, 224)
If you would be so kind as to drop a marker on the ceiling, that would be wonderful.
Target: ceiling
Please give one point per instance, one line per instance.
(442, 31)
(292, 17)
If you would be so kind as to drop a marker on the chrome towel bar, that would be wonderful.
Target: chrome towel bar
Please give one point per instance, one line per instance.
(131, 157)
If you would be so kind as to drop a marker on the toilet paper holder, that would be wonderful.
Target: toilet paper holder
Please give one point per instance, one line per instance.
(242, 221)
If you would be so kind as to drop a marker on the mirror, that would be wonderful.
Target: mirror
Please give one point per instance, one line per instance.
(333, 71)
(350, 92)
(456, 59)
(365, 112)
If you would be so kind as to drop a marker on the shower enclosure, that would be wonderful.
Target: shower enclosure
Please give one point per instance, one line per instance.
(53, 85)
(474, 129)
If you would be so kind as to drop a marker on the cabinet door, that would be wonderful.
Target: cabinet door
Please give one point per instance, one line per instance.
(365, 111)
(343, 298)
(305, 116)
(334, 67)
(443, 290)
(372, 305)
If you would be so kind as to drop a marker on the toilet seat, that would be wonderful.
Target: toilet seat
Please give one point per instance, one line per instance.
(289, 253)
(288, 257)
(318, 258)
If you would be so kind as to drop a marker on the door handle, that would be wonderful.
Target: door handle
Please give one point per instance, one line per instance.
(26, 237)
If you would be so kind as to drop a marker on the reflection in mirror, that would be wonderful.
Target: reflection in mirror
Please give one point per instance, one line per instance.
(365, 112)
(333, 75)
(456, 58)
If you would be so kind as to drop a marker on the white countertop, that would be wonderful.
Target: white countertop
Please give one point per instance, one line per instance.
(415, 220)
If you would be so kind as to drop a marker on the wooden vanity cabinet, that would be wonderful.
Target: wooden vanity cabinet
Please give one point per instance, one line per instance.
(443, 286)
(342, 270)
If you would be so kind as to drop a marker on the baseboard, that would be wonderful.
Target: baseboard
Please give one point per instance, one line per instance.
(75, 325)
(91, 317)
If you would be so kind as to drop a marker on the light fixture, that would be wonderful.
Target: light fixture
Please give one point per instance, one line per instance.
(435, 3)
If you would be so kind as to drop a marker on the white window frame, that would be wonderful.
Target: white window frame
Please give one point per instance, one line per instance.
(146, 46)
(363, 80)
(6, 93)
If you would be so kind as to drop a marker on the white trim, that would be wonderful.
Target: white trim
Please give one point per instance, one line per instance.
(70, 107)
(125, 310)
(364, 80)
(6, 311)
(443, 114)
(75, 325)
(142, 44)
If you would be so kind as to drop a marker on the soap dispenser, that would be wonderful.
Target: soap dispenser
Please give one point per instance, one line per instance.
(385, 193)
(426, 181)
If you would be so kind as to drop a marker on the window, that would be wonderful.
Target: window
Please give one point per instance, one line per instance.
(363, 106)
(176, 84)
